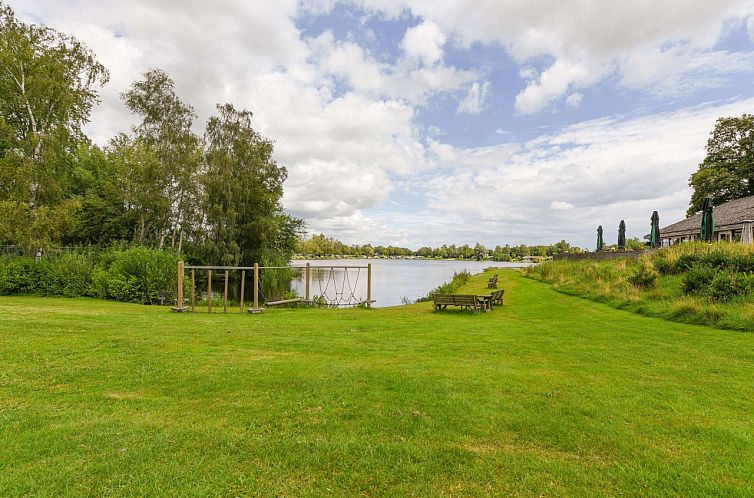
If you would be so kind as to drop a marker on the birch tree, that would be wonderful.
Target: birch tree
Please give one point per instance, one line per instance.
(48, 85)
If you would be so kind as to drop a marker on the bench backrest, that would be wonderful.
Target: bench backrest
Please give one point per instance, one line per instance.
(464, 299)
(456, 299)
(443, 298)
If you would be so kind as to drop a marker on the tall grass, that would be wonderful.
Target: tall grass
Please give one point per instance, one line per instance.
(710, 284)
(459, 279)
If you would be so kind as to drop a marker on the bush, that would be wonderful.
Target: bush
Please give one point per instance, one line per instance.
(698, 279)
(68, 275)
(686, 261)
(663, 265)
(727, 285)
(643, 275)
(21, 275)
(138, 275)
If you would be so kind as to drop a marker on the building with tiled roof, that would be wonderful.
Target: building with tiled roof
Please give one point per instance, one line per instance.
(730, 218)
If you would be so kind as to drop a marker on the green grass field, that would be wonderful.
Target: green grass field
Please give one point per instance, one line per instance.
(550, 395)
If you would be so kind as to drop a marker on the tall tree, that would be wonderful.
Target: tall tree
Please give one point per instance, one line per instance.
(244, 218)
(48, 85)
(728, 170)
(165, 130)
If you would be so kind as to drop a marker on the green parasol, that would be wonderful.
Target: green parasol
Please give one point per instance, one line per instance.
(707, 231)
(600, 242)
(654, 234)
(622, 235)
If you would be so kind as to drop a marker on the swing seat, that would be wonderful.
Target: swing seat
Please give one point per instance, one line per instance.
(287, 301)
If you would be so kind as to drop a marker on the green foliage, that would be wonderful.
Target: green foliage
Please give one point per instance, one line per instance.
(139, 275)
(710, 284)
(68, 274)
(20, 276)
(155, 187)
(48, 85)
(727, 172)
(643, 274)
(135, 275)
(323, 246)
(727, 285)
(697, 279)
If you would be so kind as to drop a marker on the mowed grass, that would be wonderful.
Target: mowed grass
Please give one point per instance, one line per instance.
(550, 395)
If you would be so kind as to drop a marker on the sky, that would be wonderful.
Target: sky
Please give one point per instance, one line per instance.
(430, 122)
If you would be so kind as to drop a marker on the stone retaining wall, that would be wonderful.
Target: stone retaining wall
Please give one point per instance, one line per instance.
(600, 256)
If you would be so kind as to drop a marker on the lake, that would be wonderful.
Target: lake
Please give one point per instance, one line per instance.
(392, 279)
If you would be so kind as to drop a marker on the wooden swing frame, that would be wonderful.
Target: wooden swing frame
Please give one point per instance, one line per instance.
(181, 307)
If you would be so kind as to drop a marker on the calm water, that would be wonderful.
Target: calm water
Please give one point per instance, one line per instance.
(392, 279)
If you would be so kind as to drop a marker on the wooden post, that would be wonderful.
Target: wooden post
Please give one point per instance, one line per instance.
(369, 285)
(209, 291)
(308, 273)
(225, 295)
(256, 286)
(193, 289)
(243, 285)
(180, 284)
(179, 307)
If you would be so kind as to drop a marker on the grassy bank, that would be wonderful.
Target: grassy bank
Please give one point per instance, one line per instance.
(549, 395)
(706, 284)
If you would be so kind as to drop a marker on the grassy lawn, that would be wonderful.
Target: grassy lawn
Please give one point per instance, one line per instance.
(550, 395)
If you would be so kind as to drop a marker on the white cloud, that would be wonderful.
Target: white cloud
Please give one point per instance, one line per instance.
(599, 172)
(476, 97)
(588, 41)
(750, 27)
(345, 119)
(574, 100)
(555, 81)
(349, 62)
(424, 43)
(561, 206)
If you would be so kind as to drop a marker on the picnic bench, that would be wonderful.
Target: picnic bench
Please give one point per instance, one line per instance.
(469, 301)
(497, 297)
(492, 282)
(465, 301)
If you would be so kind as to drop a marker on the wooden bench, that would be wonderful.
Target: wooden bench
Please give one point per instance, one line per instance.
(497, 297)
(492, 282)
(465, 301)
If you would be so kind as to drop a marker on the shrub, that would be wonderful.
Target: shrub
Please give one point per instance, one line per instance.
(697, 280)
(68, 274)
(686, 261)
(138, 275)
(21, 275)
(663, 265)
(727, 285)
(643, 275)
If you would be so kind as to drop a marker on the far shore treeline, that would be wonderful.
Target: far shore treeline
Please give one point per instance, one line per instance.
(320, 246)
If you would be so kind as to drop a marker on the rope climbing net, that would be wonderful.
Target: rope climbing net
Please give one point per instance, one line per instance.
(339, 290)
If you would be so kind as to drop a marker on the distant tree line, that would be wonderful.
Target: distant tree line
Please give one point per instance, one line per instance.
(215, 197)
(323, 246)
